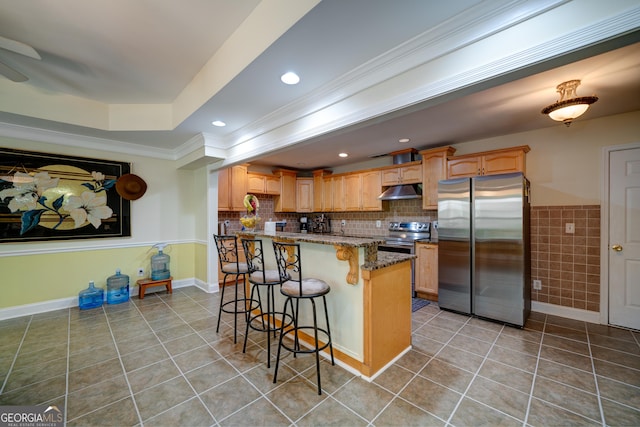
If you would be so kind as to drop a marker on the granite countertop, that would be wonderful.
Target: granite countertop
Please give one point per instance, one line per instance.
(374, 259)
(386, 259)
(323, 239)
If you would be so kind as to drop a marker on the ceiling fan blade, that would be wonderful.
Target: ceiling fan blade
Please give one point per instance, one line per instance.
(18, 47)
(12, 74)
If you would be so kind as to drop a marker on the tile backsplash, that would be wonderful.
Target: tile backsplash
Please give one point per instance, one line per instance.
(567, 264)
(357, 223)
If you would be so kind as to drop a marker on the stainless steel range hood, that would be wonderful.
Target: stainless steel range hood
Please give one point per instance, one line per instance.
(402, 191)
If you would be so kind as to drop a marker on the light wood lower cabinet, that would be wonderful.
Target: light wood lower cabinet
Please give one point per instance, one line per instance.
(426, 271)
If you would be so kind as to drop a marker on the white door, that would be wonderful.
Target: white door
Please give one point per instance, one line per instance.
(624, 238)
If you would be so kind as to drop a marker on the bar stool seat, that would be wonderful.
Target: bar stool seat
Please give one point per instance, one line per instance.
(259, 277)
(231, 265)
(297, 288)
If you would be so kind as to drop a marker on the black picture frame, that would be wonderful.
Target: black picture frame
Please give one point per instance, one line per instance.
(47, 197)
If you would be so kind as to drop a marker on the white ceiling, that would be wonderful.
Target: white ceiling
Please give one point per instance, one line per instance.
(176, 66)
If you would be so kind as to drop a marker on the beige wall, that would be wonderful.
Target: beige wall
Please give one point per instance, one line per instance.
(565, 164)
(168, 212)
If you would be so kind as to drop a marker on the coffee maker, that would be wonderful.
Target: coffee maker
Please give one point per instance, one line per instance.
(304, 224)
(321, 224)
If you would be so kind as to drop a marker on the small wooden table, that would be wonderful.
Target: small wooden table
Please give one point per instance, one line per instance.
(143, 284)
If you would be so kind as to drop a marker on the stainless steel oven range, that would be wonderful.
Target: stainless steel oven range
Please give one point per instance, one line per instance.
(401, 239)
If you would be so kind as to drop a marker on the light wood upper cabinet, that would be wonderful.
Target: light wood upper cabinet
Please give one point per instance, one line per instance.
(232, 187)
(353, 192)
(434, 168)
(286, 201)
(258, 183)
(318, 189)
(407, 173)
(333, 199)
(494, 162)
(304, 195)
(426, 270)
(371, 189)
(338, 203)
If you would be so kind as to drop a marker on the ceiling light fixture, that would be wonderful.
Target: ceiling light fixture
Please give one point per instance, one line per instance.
(404, 140)
(343, 155)
(569, 106)
(218, 123)
(290, 78)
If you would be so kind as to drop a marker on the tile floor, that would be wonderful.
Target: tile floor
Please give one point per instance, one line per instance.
(159, 362)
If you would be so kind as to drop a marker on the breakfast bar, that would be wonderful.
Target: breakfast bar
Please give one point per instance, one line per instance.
(370, 300)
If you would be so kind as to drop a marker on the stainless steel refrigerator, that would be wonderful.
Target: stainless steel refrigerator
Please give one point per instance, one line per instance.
(484, 265)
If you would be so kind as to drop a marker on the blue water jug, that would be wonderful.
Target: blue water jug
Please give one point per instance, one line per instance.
(160, 264)
(117, 288)
(91, 297)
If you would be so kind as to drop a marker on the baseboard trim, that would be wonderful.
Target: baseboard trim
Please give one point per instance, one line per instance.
(568, 312)
(62, 303)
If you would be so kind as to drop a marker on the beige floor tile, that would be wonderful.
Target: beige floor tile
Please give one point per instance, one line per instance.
(472, 413)
(431, 397)
(364, 398)
(162, 397)
(229, 397)
(401, 413)
(500, 397)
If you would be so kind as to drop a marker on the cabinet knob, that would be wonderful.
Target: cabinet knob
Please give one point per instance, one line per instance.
(616, 248)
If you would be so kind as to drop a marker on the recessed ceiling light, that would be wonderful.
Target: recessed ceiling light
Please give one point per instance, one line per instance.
(290, 78)
(404, 140)
(218, 123)
(343, 155)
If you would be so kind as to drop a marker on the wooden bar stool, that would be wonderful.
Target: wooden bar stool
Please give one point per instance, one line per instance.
(264, 321)
(230, 265)
(297, 288)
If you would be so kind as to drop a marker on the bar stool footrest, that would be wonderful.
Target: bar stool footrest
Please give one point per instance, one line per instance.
(311, 350)
(252, 305)
(273, 314)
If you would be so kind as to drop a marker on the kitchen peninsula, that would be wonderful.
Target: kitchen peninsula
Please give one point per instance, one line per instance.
(370, 300)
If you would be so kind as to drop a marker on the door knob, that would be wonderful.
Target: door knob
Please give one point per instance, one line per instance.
(616, 248)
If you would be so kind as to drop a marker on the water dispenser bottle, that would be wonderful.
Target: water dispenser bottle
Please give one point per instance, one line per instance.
(117, 288)
(91, 297)
(160, 264)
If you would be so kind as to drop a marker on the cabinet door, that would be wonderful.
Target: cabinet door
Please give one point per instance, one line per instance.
(504, 162)
(391, 176)
(337, 194)
(426, 270)
(255, 183)
(238, 187)
(434, 168)
(327, 194)
(411, 174)
(224, 184)
(272, 185)
(286, 202)
(304, 195)
(353, 192)
(371, 189)
(318, 192)
(465, 167)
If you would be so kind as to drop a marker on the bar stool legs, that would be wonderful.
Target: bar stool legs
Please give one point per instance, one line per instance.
(230, 265)
(295, 287)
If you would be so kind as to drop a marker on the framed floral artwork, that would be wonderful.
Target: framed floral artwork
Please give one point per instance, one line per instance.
(55, 197)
